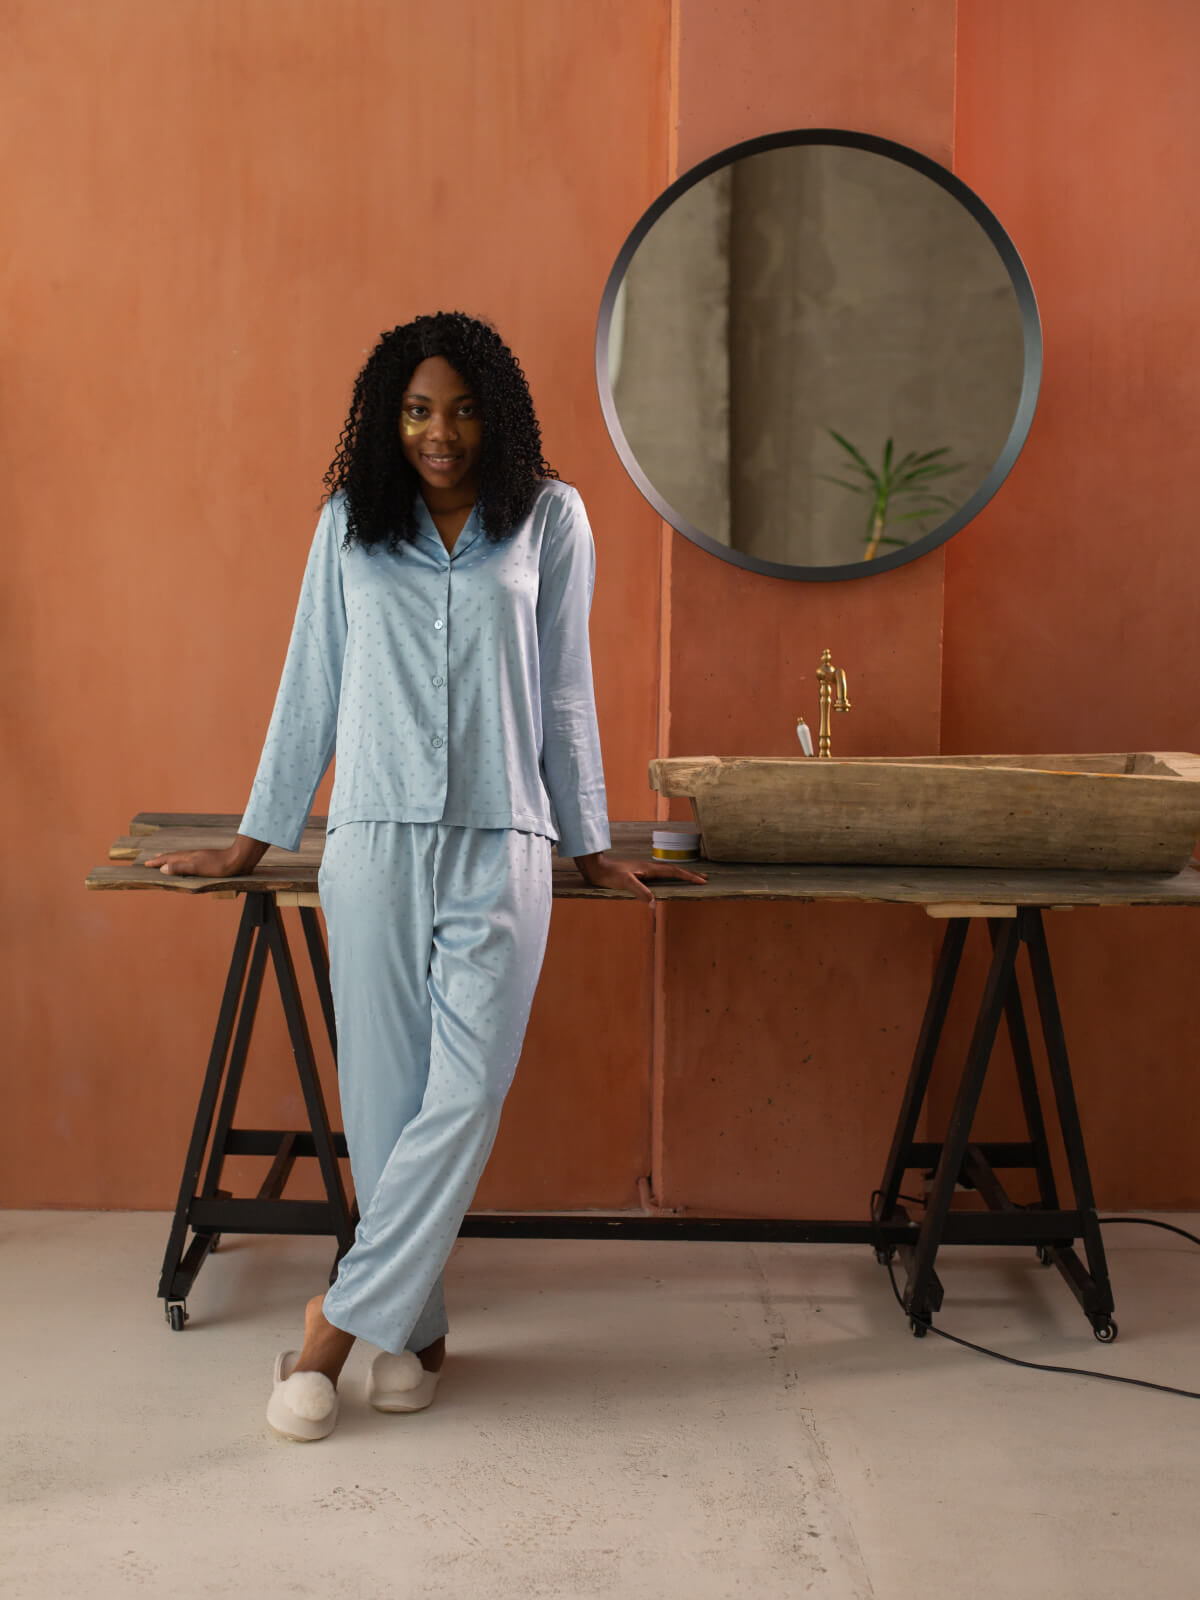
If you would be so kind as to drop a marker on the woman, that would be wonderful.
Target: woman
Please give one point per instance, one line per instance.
(441, 643)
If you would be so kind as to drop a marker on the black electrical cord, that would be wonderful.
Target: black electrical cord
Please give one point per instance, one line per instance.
(885, 1255)
(1152, 1222)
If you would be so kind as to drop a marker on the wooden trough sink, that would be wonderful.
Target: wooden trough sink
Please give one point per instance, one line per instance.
(1129, 812)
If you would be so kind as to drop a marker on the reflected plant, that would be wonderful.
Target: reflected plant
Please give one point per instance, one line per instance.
(910, 476)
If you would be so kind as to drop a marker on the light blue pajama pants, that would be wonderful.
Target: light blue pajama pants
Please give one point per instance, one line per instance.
(436, 937)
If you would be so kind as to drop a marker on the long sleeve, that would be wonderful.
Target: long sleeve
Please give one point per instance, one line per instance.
(571, 760)
(301, 736)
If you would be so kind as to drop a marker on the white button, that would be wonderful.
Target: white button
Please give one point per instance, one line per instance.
(438, 682)
(437, 743)
(439, 623)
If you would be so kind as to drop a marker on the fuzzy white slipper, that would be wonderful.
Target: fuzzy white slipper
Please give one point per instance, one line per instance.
(400, 1383)
(303, 1405)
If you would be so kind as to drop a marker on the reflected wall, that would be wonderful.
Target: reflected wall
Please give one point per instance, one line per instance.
(801, 293)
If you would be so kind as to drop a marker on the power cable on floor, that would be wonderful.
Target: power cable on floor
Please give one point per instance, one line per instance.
(885, 1254)
(1153, 1222)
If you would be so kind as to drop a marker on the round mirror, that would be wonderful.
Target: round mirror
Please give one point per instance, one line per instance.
(818, 354)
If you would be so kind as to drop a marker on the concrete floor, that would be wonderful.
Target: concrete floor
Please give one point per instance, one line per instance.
(625, 1419)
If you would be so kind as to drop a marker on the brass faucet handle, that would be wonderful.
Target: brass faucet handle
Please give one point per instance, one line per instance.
(842, 702)
(827, 677)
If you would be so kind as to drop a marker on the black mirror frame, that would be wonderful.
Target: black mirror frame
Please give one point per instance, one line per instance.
(1031, 331)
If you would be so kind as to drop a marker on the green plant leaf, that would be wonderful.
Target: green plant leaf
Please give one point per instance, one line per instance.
(857, 454)
(911, 476)
(853, 466)
(917, 473)
(854, 488)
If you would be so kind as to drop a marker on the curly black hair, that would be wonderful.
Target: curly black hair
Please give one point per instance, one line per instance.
(369, 464)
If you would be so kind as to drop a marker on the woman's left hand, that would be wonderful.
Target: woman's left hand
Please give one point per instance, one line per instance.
(605, 873)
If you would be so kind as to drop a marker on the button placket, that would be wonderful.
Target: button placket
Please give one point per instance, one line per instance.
(439, 739)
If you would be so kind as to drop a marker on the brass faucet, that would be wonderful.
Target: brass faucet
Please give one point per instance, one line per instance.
(833, 689)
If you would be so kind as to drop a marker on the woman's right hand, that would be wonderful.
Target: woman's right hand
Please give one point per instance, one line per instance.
(232, 862)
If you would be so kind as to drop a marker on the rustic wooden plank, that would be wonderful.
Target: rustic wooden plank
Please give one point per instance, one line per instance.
(148, 823)
(629, 839)
(165, 840)
(1124, 811)
(281, 871)
(291, 871)
(130, 876)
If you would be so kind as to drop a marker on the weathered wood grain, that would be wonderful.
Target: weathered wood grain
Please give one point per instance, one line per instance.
(981, 891)
(1120, 812)
(147, 823)
(165, 840)
(286, 872)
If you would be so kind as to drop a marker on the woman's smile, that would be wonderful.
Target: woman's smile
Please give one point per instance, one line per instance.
(441, 432)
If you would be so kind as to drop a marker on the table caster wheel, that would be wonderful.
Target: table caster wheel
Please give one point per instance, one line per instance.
(1105, 1329)
(1043, 1255)
(919, 1329)
(176, 1312)
(885, 1255)
(214, 1241)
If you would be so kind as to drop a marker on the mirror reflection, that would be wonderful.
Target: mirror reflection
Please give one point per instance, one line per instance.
(816, 356)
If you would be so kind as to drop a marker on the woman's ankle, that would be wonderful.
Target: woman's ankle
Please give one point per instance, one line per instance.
(433, 1355)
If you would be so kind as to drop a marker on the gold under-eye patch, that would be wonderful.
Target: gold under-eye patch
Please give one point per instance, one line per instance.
(412, 426)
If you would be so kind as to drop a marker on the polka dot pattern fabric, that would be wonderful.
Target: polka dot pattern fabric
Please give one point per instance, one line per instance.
(454, 687)
(436, 939)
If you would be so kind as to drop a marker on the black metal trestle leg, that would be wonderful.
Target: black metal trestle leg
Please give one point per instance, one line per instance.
(918, 1080)
(206, 1208)
(1092, 1288)
(958, 1160)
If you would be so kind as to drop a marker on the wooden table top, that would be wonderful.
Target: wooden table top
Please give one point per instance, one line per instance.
(944, 891)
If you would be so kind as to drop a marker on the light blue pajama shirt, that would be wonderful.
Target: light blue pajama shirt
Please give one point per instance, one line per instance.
(457, 691)
(457, 688)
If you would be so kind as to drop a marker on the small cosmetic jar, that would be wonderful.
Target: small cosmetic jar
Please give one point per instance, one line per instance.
(675, 844)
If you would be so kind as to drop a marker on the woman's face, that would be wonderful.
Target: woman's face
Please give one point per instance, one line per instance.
(440, 430)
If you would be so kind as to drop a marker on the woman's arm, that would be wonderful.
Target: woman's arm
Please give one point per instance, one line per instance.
(571, 759)
(571, 762)
(300, 738)
(301, 735)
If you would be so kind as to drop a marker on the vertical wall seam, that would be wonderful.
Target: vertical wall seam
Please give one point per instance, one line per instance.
(954, 84)
(658, 1039)
(933, 932)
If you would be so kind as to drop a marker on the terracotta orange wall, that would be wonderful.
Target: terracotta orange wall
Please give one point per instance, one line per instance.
(221, 207)
(1071, 604)
(216, 211)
